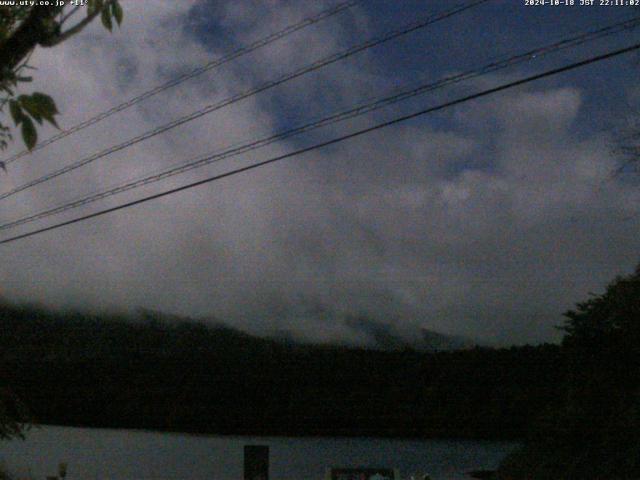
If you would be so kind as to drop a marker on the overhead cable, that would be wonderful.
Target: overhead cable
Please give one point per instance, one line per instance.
(333, 141)
(189, 75)
(248, 93)
(359, 110)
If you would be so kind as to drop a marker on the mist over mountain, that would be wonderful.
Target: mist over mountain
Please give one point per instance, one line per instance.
(360, 330)
(165, 372)
(52, 333)
(386, 336)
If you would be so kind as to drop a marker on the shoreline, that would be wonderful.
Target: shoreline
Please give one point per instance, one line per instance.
(296, 435)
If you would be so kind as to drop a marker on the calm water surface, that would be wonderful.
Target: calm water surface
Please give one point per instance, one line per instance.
(127, 454)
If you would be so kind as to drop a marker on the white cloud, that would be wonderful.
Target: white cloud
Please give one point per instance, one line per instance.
(402, 224)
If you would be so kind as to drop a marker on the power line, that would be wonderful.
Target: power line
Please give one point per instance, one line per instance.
(411, 27)
(333, 141)
(189, 75)
(332, 119)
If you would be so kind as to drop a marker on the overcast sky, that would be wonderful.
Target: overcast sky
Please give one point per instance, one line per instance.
(487, 220)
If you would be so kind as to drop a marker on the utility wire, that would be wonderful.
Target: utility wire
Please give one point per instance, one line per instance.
(333, 141)
(189, 75)
(411, 27)
(335, 118)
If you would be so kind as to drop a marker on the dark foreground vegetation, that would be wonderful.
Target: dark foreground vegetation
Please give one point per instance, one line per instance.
(576, 405)
(156, 372)
(592, 430)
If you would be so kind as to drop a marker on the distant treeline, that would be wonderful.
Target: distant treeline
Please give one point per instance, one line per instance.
(592, 430)
(156, 372)
(576, 405)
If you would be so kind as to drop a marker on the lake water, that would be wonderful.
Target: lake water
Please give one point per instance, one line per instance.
(127, 454)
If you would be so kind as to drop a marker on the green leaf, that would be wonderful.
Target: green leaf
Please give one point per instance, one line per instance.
(117, 11)
(31, 106)
(43, 106)
(106, 19)
(46, 103)
(29, 133)
(16, 112)
(94, 6)
(51, 120)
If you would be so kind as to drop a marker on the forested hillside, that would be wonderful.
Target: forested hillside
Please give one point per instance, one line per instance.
(592, 430)
(176, 374)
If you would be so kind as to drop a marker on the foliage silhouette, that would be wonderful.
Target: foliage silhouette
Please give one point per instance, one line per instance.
(22, 29)
(593, 429)
(159, 372)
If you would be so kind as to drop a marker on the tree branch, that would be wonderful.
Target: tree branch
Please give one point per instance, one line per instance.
(77, 28)
(69, 15)
(35, 29)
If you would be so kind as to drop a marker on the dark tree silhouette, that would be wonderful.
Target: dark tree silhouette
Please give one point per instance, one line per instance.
(22, 29)
(593, 431)
(154, 371)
